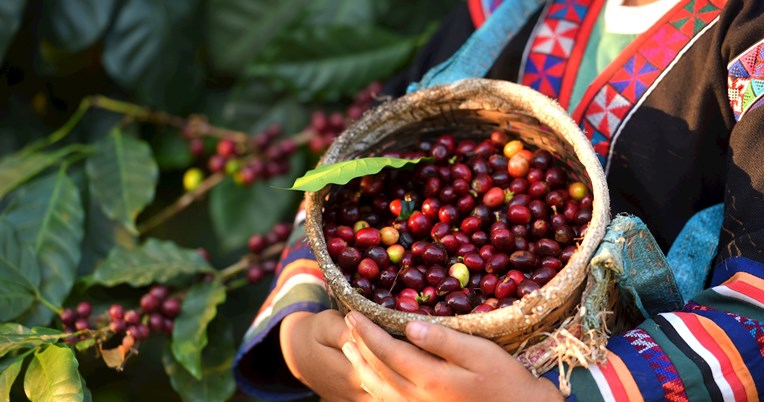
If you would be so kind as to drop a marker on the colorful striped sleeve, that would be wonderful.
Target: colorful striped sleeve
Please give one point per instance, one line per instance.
(299, 285)
(711, 350)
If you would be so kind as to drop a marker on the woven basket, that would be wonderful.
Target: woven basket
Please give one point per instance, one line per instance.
(473, 108)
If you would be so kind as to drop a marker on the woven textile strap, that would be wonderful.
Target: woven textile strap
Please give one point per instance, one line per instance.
(690, 256)
(477, 55)
(629, 250)
(657, 284)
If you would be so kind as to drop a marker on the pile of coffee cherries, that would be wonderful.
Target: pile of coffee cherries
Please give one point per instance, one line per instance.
(473, 228)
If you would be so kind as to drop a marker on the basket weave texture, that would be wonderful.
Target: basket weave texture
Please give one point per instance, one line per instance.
(540, 322)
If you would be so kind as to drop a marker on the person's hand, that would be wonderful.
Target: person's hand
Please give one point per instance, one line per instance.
(311, 345)
(445, 365)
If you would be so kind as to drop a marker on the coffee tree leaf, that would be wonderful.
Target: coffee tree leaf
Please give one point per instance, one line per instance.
(74, 25)
(239, 29)
(87, 396)
(413, 17)
(328, 62)
(156, 261)
(217, 382)
(52, 375)
(9, 370)
(341, 12)
(234, 222)
(15, 336)
(48, 215)
(149, 49)
(102, 235)
(190, 328)
(345, 171)
(123, 175)
(11, 12)
(19, 167)
(19, 273)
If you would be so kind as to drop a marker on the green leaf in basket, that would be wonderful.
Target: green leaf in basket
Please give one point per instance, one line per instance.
(345, 171)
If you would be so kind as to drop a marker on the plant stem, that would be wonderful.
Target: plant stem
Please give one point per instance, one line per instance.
(236, 284)
(245, 262)
(63, 131)
(48, 304)
(235, 268)
(181, 203)
(144, 114)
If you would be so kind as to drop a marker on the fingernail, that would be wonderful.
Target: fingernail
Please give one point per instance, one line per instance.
(350, 321)
(348, 350)
(416, 330)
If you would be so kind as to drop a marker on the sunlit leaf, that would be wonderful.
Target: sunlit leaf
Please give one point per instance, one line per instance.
(345, 171)
(15, 336)
(155, 261)
(52, 376)
(48, 215)
(9, 370)
(123, 175)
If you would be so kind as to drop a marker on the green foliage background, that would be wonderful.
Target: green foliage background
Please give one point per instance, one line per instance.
(71, 200)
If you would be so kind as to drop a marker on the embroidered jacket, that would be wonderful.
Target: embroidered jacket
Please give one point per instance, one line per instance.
(677, 121)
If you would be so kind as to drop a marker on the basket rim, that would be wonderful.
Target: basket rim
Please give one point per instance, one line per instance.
(485, 94)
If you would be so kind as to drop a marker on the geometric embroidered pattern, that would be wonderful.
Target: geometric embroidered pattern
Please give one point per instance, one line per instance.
(620, 87)
(745, 81)
(755, 328)
(554, 43)
(666, 373)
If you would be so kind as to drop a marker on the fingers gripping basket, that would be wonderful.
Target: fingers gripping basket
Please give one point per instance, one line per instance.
(473, 108)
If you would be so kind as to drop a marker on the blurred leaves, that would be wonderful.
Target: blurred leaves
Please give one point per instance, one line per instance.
(48, 215)
(74, 25)
(333, 61)
(239, 29)
(150, 49)
(10, 20)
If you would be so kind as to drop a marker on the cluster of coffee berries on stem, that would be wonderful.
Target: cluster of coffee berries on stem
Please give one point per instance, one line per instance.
(251, 158)
(327, 127)
(258, 244)
(77, 319)
(156, 313)
(476, 228)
